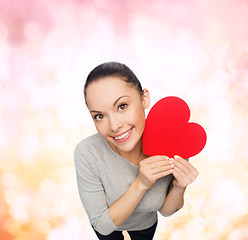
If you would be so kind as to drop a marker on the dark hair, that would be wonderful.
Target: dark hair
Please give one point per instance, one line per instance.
(113, 69)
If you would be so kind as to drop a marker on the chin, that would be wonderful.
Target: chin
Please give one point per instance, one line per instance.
(128, 147)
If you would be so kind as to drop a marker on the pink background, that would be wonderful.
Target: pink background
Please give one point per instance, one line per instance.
(196, 50)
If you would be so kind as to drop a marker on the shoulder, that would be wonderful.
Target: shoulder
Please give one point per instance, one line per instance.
(90, 144)
(86, 154)
(90, 148)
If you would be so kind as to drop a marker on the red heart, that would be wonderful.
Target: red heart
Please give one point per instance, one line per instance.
(168, 132)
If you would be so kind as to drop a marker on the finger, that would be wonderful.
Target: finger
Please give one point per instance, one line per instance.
(163, 174)
(184, 162)
(181, 181)
(159, 164)
(178, 174)
(155, 171)
(182, 167)
(153, 159)
(182, 177)
(186, 166)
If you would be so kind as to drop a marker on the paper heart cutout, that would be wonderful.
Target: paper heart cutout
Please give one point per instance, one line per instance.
(168, 132)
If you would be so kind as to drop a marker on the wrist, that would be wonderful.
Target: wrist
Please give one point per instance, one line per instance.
(139, 186)
(179, 188)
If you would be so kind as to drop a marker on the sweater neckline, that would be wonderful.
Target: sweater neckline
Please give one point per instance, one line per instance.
(111, 150)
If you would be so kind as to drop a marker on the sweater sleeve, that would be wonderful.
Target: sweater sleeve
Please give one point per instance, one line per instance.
(92, 195)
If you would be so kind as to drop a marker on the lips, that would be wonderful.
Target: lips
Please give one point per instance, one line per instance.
(123, 137)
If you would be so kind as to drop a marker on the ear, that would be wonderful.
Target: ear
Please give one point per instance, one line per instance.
(146, 98)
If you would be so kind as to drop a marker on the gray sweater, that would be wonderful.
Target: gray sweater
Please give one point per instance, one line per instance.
(103, 176)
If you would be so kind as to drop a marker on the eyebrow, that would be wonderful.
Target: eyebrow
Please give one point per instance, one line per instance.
(119, 99)
(116, 101)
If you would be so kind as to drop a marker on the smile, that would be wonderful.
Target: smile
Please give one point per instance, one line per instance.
(123, 135)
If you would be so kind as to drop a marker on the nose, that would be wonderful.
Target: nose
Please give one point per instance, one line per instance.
(115, 124)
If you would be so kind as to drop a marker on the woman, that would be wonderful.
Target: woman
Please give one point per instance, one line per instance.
(120, 187)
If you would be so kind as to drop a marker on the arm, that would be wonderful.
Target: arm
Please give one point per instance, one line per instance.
(173, 201)
(92, 195)
(106, 219)
(151, 169)
(120, 210)
(184, 174)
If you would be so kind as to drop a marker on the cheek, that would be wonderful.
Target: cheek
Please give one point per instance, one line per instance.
(138, 117)
(142, 119)
(102, 129)
(142, 123)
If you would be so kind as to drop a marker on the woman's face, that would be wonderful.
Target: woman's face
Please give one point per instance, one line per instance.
(118, 112)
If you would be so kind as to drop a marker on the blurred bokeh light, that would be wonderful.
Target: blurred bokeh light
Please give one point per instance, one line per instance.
(197, 50)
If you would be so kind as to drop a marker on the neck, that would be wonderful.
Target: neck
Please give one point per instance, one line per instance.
(134, 156)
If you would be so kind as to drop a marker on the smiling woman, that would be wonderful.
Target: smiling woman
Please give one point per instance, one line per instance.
(117, 109)
(113, 173)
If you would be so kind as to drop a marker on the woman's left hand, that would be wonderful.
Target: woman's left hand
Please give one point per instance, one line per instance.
(184, 172)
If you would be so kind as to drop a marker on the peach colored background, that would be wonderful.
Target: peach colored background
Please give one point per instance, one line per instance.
(197, 50)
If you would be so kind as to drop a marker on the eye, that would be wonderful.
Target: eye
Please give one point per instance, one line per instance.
(98, 116)
(122, 107)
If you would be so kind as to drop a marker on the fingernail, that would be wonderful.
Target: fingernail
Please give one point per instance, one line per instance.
(171, 160)
(172, 165)
(166, 158)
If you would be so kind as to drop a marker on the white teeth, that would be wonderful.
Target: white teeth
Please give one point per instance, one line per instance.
(123, 135)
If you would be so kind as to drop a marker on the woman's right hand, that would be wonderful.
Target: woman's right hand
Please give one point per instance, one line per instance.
(153, 168)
